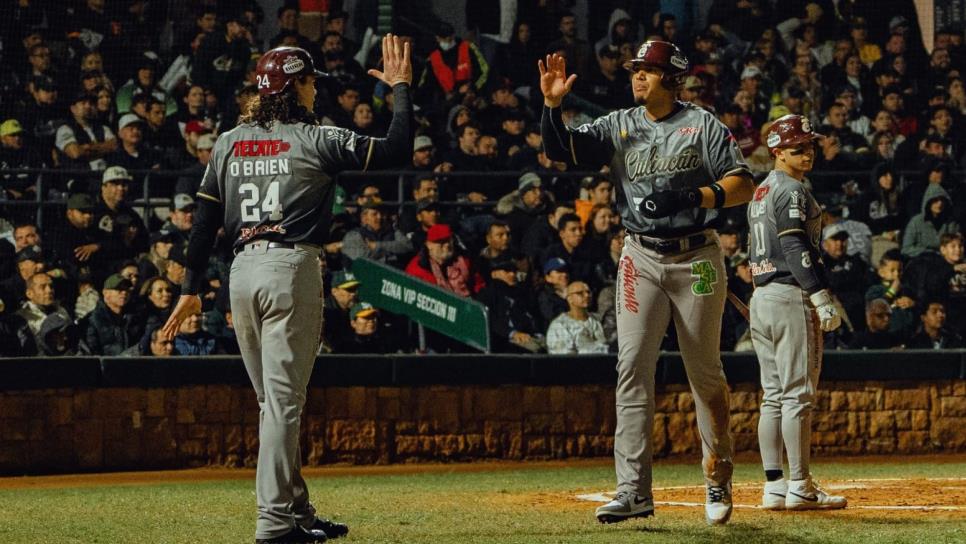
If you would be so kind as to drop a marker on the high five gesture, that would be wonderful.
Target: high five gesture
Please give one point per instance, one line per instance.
(554, 82)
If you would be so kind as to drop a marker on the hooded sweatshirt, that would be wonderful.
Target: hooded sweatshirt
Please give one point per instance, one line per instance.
(925, 228)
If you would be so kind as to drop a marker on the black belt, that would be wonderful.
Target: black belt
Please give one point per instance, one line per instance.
(271, 245)
(673, 245)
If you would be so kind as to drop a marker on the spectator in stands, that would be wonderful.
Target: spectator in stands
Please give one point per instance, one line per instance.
(82, 142)
(152, 344)
(570, 234)
(205, 22)
(464, 156)
(25, 235)
(190, 178)
(860, 237)
(343, 295)
(41, 65)
(30, 261)
(155, 301)
(155, 260)
(104, 112)
(15, 154)
(159, 133)
(438, 264)
(498, 236)
(220, 61)
(552, 295)
(543, 233)
(110, 328)
(110, 207)
(923, 230)
(932, 333)
(512, 321)
(133, 153)
(145, 81)
(288, 25)
(845, 149)
(423, 153)
(846, 273)
(879, 207)
(425, 190)
(608, 85)
(59, 336)
(941, 275)
(366, 337)
(454, 68)
(42, 115)
(195, 109)
(40, 303)
(346, 100)
(877, 334)
(192, 340)
(181, 218)
(520, 209)
(74, 240)
(576, 49)
(577, 330)
(337, 62)
(375, 238)
(16, 339)
(896, 289)
(186, 156)
(600, 192)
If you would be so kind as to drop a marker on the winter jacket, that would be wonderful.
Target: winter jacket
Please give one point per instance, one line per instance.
(924, 230)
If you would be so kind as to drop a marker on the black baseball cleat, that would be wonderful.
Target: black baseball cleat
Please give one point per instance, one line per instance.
(330, 528)
(297, 535)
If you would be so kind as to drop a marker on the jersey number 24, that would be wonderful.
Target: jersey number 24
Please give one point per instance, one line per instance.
(251, 209)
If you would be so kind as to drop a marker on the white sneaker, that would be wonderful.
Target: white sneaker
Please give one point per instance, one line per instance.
(773, 497)
(717, 506)
(625, 505)
(807, 495)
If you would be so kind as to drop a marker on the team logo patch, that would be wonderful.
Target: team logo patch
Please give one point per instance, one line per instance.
(293, 65)
(806, 125)
(679, 62)
(774, 139)
(685, 131)
(761, 192)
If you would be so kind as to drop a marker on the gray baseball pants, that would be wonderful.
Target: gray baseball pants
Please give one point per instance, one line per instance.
(276, 308)
(652, 289)
(785, 333)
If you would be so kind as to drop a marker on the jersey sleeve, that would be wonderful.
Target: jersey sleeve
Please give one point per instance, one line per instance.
(209, 189)
(590, 145)
(340, 148)
(791, 210)
(64, 137)
(723, 155)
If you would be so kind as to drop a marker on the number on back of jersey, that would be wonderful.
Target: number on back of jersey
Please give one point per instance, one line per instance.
(252, 205)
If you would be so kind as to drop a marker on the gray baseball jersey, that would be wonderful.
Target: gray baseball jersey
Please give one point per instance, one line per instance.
(690, 148)
(782, 205)
(278, 185)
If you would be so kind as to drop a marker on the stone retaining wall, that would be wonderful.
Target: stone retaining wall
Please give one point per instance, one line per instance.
(69, 430)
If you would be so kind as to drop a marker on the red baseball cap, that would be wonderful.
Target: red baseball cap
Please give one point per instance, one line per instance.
(438, 233)
(195, 126)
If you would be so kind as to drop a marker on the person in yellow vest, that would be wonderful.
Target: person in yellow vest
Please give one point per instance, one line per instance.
(453, 69)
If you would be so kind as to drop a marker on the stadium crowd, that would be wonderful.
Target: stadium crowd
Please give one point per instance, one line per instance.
(107, 93)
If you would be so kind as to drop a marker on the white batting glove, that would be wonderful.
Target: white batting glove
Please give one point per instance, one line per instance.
(825, 308)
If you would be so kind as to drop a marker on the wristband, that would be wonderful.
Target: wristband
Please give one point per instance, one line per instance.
(719, 195)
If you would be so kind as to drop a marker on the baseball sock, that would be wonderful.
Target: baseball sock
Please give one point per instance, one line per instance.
(774, 475)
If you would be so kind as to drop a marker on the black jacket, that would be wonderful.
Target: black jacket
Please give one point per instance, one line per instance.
(108, 333)
(509, 312)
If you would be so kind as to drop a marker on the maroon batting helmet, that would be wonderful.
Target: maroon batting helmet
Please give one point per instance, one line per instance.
(663, 55)
(278, 67)
(789, 131)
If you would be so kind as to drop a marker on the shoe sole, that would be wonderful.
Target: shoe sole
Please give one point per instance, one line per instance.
(617, 518)
(777, 504)
(811, 506)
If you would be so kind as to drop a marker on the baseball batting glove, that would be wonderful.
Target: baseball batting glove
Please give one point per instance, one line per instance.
(666, 203)
(825, 308)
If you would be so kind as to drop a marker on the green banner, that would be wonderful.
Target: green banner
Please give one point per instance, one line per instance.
(460, 318)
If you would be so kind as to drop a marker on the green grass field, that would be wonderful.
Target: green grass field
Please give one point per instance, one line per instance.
(459, 504)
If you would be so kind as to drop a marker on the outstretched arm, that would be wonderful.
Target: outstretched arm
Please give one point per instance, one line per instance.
(589, 146)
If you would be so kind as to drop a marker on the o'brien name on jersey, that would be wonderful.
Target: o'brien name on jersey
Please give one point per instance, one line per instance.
(259, 167)
(648, 163)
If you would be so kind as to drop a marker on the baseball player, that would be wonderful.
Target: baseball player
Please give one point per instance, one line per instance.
(790, 307)
(270, 182)
(675, 166)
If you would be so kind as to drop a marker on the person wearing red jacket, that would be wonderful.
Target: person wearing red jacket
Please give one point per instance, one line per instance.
(437, 263)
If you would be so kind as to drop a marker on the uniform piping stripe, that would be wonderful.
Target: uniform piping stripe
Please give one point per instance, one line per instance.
(573, 153)
(368, 155)
(208, 197)
(790, 231)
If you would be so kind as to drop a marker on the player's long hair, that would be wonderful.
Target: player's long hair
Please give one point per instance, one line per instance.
(283, 107)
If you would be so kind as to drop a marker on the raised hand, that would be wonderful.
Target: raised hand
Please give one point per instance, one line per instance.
(188, 305)
(396, 62)
(554, 81)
